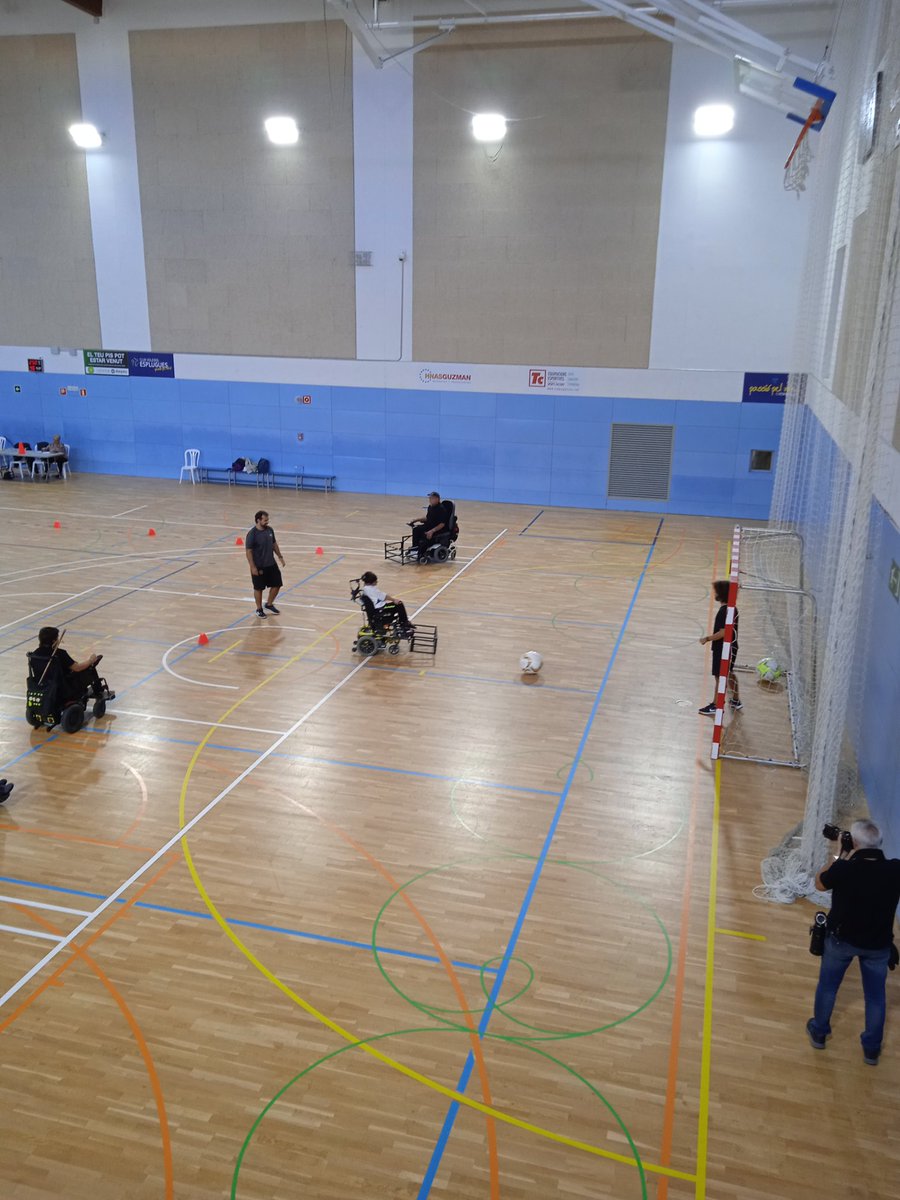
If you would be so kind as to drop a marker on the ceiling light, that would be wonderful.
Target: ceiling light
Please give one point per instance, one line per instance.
(713, 120)
(489, 127)
(86, 136)
(282, 131)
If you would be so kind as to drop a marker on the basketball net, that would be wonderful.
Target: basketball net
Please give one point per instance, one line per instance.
(796, 169)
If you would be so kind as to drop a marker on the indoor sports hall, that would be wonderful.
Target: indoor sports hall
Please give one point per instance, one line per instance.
(578, 327)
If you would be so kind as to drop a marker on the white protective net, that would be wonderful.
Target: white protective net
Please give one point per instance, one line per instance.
(842, 403)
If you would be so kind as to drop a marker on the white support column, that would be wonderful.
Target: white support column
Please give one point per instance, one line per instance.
(104, 71)
(383, 187)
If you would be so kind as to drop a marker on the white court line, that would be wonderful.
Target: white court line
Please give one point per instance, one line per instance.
(232, 687)
(115, 516)
(26, 574)
(79, 912)
(37, 612)
(173, 841)
(35, 933)
(131, 712)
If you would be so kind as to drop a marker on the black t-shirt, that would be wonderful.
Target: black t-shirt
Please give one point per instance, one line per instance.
(718, 626)
(865, 892)
(436, 514)
(41, 656)
(262, 543)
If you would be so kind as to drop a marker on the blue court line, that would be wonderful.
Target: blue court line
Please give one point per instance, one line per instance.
(552, 537)
(306, 758)
(531, 522)
(206, 916)
(31, 750)
(105, 604)
(339, 558)
(450, 1119)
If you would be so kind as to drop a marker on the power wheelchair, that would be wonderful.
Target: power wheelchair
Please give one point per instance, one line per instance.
(440, 548)
(383, 629)
(46, 704)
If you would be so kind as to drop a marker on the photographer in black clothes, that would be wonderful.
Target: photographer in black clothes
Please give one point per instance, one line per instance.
(865, 892)
(435, 520)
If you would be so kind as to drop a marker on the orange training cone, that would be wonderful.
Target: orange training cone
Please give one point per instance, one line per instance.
(319, 550)
(151, 533)
(56, 525)
(239, 541)
(202, 640)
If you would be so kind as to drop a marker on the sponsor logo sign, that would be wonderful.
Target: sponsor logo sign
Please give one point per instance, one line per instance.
(158, 365)
(558, 379)
(764, 389)
(429, 375)
(129, 362)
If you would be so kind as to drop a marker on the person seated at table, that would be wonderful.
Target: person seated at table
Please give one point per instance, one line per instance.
(78, 678)
(59, 455)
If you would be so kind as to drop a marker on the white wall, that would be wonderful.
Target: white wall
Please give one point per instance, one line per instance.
(104, 77)
(731, 239)
(383, 193)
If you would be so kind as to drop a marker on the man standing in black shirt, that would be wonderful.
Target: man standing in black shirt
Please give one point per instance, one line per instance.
(262, 549)
(865, 892)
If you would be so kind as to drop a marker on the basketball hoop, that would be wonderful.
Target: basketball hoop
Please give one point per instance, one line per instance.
(796, 169)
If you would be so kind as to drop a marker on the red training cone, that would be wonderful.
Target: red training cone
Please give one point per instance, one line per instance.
(239, 541)
(202, 640)
(319, 550)
(151, 533)
(56, 525)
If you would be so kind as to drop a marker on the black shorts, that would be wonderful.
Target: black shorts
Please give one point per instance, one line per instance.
(270, 577)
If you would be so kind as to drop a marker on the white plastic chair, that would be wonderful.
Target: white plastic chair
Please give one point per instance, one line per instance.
(67, 465)
(2, 443)
(191, 465)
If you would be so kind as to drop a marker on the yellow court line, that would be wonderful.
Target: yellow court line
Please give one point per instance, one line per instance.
(225, 651)
(706, 1050)
(754, 937)
(442, 1089)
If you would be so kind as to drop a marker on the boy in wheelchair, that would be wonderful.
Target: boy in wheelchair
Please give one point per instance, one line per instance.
(385, 609)
(58, 688)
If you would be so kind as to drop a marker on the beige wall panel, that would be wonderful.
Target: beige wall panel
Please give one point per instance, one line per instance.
(549, 253)
(48, 290)
(247, 244)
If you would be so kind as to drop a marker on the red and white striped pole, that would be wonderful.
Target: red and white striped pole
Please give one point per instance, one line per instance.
(725, 663)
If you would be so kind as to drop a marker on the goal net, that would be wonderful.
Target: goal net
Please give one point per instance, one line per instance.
(835, 457)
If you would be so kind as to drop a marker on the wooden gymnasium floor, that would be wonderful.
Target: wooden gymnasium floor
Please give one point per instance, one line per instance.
(392, 859)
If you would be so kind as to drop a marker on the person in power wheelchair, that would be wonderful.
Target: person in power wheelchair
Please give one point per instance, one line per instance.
(58, 689)
(387, 623)
(433, 536)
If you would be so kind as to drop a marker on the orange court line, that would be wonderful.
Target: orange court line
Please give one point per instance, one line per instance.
(74, 837)
(155, 1085)
(665, 1151)
(52, 979)
(477, 1047)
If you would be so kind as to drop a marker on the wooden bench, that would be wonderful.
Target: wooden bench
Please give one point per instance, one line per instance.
(301, 480)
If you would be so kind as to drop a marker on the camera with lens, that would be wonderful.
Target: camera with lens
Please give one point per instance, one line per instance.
(831, 833)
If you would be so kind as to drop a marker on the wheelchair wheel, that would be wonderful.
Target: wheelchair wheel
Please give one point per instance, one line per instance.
(366, 645)
(72, 718)
(33, 719)
(394, 648)
(440, 554)
(453, 552)
(99, 708)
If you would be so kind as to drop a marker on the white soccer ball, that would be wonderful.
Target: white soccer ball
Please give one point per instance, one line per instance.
(531, 662)
(768, 670)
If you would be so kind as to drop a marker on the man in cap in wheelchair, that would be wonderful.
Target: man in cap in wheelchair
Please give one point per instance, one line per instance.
(77, 679)
(382, 603)
(434, 521)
